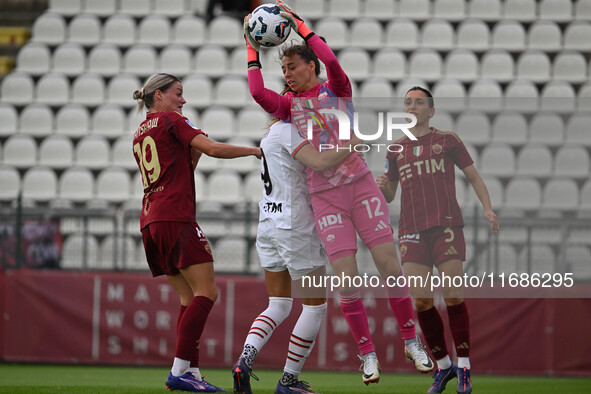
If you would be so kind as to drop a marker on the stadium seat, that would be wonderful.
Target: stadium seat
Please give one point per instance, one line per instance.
(88, 89)
(33, 58)
(189, 30)
(226, 31)
(495, 190)
(572, 161)
(381, 10)
(211, 60)
(405, 84)
(20, 151)
(135, 7)
(438, 34)
(197, 90)
(65, 7)
(252, 122)
(546, 128)
(462, 64)
(137, 189)
(570, 66)
(534, 160)
(224, 187)
(376, 87)
(367, 33)
(237, 61)
(497, 160)
(108, 120)
(473, 34)
(120, 89)
(134, 118)
(171, 8)
(523, 193)
(52, 89)
(561, 194)
(11, 183)
(576, 36)
(104, 60)
(101, 8)
(76, 184)
(253, 187)
(451, 95)
(485, 95)
(232, 91)
(508, 35)
(402, 34)
(92, 151)
(498, 65)
(585, 200)
(9, 117)
(583, 10)
(140, 60)
(335, 31)
(425, 64)
(17, 88)
(72, 120)
(120, 29)
(418, 10)
(154, 30)
(356, 62)
(577, 262)
(543, 259)
(443, 120)
(584, 98)
(56, 151)
(230, 254)
(577, 130)
(533, 65)
(344, 9)
(522, 95)
(218, 122)
(69, 59)
(545, 36)
(241, 165)
(487, 10)
(200, 185)
(311, 9)
(84, 29)
(110, 254)
(113, 184)
(49, 29)
(79, 252)
(509, 127)
(452, 10)
(36, 120)
(556, 10)
(389, 63)
(520, 10)
(40, 184)
(558, 96)
(473, 127)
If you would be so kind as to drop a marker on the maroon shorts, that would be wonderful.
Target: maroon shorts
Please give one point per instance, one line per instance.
(433, 246)
(173, 245)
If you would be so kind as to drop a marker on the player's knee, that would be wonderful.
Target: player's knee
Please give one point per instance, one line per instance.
(423, 304)
(281, 306)
(210, 292)
(453, 301)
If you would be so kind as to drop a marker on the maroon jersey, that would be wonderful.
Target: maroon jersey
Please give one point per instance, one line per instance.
(161, 146)
(425, 169)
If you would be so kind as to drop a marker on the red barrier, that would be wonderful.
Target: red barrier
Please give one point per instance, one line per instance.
(116, 318)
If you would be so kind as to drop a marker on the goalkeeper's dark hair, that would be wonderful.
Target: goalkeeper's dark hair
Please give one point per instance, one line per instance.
(304, 51)
(427, 92)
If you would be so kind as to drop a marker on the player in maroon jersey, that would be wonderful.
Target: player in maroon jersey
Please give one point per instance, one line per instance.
(431, 228)
(167, 147)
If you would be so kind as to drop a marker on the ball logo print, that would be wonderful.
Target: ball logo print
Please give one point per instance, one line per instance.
(267, 27)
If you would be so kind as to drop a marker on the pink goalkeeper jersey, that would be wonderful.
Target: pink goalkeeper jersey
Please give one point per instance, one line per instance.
(425, 169)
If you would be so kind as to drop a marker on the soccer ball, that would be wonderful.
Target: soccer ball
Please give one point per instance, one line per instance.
(267, 27)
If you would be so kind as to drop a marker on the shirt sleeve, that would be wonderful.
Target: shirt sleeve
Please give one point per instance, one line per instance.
(272, 102)
(185, 130)
(391, 167)
(292, 141)
(459, 153)
(338, 80)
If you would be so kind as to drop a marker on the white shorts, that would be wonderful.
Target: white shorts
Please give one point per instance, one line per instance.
(297, 250)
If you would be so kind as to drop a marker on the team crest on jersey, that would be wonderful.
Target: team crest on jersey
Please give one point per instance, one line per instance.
(190, 124)
(437, 149)
(417, 150)
(207, 248)
(403, 250)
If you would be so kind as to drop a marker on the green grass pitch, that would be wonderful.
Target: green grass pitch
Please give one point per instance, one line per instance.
(47, 379)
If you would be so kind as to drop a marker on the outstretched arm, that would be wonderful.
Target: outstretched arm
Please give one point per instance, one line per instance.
(221, 150)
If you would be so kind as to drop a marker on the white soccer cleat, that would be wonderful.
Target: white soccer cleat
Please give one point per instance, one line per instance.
(370, 367)
(416, 353)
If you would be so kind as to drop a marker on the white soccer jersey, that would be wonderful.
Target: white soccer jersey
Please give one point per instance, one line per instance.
(285, 196)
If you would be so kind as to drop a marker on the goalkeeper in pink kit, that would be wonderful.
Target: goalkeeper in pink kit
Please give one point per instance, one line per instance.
(345, 198)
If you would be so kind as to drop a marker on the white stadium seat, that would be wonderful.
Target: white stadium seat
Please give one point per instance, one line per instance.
(334, 30)
(415, 9)
(583, 10)
(561, 194)
(497, 160)
(72, 120)
(79, 252)
(88, 89)
(367, 33)
(462, 64)
(577, 129)
(56, 151)
(558, 96)
(510, 127)
(65, 7)
(197, 90)
(113, 184)
(444, 121)
(577, 261)
(522, 95)
(20, 151)
(232, 91)
(438, 34)
(226, 31)
(84, 29)
(108, 120)
(9, 117)
(17, 88)
(356, 62)
(523, 193)
(508, 35)
(176, 60)
(122, 154)
(313, 9)
(252, 122)
(253, 187)
(473, 34)
(576, 36)
(498, 65)
(218, 122)
(584, 97)
(534, 65)
(211, 60)
(546, 128)
(135, 7)
(557, 10)
(402, 33)
(120, 29)
(10, 181)
(224, 187)
(389, 63)
(570, 66)
(474, 127)
(345, 9)
(105, 60)
(33, 58)
(121, 88)
(69, 59)
(189, 30)
(154, 30)
(230, 254)
(140, 60)
(572, 161)
(376, 87)
(52, 89)
(40, 184)
(101, 8)
(382, 10)
(452, 10)
(545, 36)
(485, 95)
(49, 29)
(451, 95)
(170, 8)
(425, 64)
(92, 151)
(534, 160)
(487, 10)
(585, 200)
(36, 120)
(520, 10)
(237, 61)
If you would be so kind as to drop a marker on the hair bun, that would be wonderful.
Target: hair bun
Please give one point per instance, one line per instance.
(138, 94)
